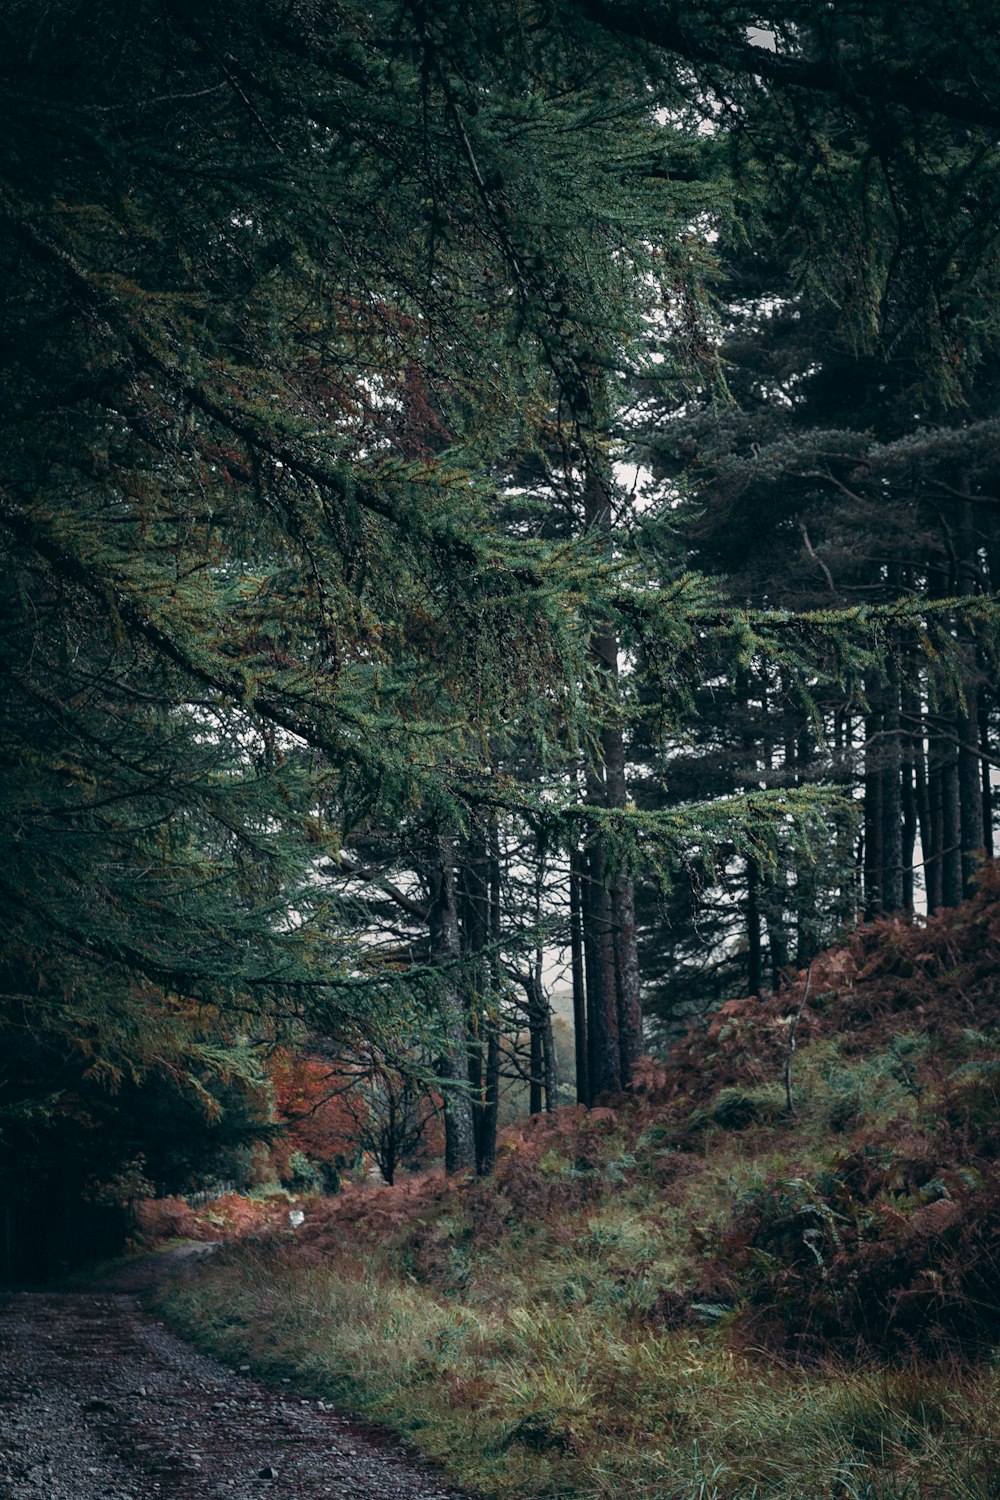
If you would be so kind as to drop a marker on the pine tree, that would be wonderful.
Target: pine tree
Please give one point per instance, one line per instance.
(851, 459)
(281, 284)
(288, 292)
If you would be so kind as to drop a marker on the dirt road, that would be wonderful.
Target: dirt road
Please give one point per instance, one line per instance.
(99, 1401)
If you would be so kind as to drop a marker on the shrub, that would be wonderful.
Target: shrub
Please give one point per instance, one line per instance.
(303, 1175)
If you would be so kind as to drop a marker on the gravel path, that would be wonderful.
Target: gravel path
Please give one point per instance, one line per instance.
(99, 1401)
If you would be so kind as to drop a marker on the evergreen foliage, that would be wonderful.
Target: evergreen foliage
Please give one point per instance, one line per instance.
(851, 464)
(281, 285)
(319, 322)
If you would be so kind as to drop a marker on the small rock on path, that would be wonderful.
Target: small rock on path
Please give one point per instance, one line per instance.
(99, 1401)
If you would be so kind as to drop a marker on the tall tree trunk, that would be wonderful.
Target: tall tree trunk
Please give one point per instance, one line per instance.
(909, 843)
(623, 915)
(549, 1062)
(486, 1145)
(536, 1066)
(755, 971)
(970, 789)
(604, 1056)
(987, 784)
(873, 789)
(755, 959)
(477, 911)
(543, 1077)
(806, 925)
(932, 865)
(459, 1130)
(892, 797)
(614, 1023)
(576, 877)
(388, 1162)
(772, 884)
(486, 1142)
(474, 913)
(951, 821)
(846, 905)
(916, 809)
(609, 910)
(988, 694)
(777, 933)
(967, 720)
(934, 854)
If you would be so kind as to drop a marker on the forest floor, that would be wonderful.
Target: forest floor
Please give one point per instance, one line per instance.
(98, 1401)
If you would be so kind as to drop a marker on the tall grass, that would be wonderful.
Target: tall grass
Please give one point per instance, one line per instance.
(537, 1399)
(582, 1326)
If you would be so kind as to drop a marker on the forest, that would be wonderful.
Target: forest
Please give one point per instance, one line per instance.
(500, 525)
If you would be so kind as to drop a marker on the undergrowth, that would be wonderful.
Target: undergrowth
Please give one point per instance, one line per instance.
(695, 1293)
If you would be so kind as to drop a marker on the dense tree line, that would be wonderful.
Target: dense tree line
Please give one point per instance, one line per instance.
(854, 464)
(325, 330)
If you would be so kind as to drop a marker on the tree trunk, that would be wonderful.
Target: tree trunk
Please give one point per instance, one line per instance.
(874, 785)
(536, 1066)
(987, 785)
(576, 877)
(486, 1145)
(750, 777)
(459, 1131)
(846, 907)
(777, 937)
(970, 789)
(967, 722)
(916, 809)
(934, 856)
(892, 797)
(755, 972)
(932, 866)
(550, 1063)
(614, 1018)
(543, 1079)
(486, 1141)
(604, 1057)
(806, 925)
(623, 916)
(477, 914)
(474, 915)
(388, 1162)
(909, 841)
(951, 823)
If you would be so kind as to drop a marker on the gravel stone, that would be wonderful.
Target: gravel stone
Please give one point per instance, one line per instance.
(99, 1401)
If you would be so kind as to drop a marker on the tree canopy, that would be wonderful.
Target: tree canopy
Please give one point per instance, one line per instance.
(320, 322)
(283, 284)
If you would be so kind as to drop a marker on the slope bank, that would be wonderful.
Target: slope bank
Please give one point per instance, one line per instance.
(732, 1282)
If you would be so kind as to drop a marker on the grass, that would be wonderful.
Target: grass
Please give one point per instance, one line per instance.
(538, 1368)
(693, 1298)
